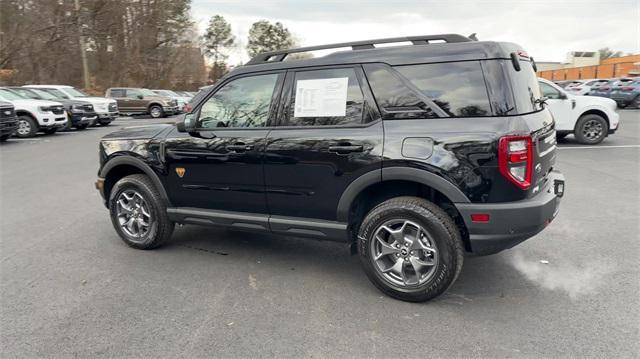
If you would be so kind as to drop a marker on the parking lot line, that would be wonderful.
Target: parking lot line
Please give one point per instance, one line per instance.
(597, 147)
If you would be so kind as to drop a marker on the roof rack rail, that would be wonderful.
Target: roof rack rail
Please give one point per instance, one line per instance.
(279, 55)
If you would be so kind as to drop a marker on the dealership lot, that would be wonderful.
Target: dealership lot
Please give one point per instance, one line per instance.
(71, 287)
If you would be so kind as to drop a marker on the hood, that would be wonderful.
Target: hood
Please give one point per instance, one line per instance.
(586, 101)
(95, 100)
(30, 102)
(137, 132)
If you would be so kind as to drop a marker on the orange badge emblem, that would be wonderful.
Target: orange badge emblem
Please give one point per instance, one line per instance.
(180, 171)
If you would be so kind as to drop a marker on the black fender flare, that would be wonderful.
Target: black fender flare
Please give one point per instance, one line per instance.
(139, 164)
(430, 179)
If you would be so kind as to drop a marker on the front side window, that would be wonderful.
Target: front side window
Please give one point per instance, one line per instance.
(458, 88)
(73, 92)
(330, 97)
(244, 102)
(548, 91)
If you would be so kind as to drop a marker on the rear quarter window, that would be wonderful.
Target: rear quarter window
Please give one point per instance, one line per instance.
(456, 87)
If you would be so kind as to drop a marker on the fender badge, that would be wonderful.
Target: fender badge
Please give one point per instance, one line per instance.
(180, 171)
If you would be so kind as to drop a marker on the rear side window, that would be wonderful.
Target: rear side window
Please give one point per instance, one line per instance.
(526, 90)
(394, 98)
(117, 93)
(456, 87)
(330, 97)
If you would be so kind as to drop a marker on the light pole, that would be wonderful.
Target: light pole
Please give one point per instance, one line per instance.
(83, 54)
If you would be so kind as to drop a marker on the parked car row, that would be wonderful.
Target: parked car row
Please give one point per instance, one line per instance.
(624, 91)
(29, 109)
(50, 108)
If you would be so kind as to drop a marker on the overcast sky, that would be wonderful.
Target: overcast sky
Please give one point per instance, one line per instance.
(546, 29)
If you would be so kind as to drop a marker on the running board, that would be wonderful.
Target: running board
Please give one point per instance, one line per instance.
(291, 226)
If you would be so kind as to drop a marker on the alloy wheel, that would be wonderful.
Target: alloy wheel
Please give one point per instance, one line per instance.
(404, 253)
(133, 214)
(24, 127)
(156, 112)
(592, 130)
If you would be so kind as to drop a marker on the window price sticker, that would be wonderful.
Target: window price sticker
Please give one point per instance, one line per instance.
(321, 98)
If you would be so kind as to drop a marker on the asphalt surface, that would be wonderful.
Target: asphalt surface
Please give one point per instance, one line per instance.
(70, 287)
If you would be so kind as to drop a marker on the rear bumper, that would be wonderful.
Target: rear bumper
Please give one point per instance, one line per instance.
(511, 223)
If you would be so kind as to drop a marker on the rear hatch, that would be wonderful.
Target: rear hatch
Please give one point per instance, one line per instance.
(539, 121)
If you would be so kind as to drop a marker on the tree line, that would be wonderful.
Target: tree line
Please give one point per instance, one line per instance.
(141, 43)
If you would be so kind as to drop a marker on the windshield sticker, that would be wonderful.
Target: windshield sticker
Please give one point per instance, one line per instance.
(321, 98)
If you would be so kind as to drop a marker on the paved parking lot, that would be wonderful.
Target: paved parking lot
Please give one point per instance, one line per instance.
(70, 287)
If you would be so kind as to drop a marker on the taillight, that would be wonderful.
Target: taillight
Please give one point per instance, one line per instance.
(626, 88)
(515, 159)
(187, 108)
(604, 88)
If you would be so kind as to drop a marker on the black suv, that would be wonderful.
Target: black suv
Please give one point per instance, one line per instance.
(413, 155)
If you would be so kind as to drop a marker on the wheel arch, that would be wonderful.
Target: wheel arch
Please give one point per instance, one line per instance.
(593, 111)
(377, 186)
(123, 166)
(151, 104)
(26, 113)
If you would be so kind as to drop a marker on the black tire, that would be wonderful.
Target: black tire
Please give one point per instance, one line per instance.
(160, 227)
(104, 123)
(4, 137)
(50, 131)
(636, 102)
(591, 129)
(30, 123)
(156, 111)
(82, 126)
(560, 136)
(441, 230)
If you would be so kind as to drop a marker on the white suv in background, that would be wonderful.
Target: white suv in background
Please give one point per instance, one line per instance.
(35, 115)
(590, 119)
(106, 108)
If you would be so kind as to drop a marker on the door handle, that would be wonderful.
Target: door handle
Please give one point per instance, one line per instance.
(343, 149)
(239, 147)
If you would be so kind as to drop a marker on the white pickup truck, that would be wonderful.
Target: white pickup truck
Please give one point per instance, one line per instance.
(589, 118)
(35, 115)
(105, 108)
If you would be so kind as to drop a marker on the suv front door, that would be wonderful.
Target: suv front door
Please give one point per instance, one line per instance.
(222, 169)
(328, 134)
(561, 107)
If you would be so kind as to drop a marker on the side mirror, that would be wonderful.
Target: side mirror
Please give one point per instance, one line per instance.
(186, 123)
(140, 97)
(562, 96)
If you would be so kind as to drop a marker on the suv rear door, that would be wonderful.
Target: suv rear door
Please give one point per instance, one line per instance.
(327, 136)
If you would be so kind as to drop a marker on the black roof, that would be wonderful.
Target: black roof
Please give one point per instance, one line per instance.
(453, 48)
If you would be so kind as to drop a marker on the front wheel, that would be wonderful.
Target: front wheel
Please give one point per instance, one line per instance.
(410, 249)
(591, 129)
(82, 126)
(27, 127)
(156, 111)
(138, 213)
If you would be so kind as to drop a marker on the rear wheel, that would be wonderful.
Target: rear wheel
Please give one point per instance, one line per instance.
(82, 126)
(27, 127)
(138, 213)
(591, 129)
(155, 111)
(636, 102)
(410, 249)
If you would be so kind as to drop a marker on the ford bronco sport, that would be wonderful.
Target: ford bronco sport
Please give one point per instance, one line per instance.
(413, 155)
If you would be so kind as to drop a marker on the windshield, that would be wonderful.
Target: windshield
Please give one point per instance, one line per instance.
(55, 93)
(25, 93)
(74, 92)
(43, 94)
(10, 95)
(147, 92)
